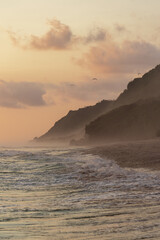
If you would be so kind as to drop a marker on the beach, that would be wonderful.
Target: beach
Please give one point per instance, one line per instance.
(63, 193)
(135, 154)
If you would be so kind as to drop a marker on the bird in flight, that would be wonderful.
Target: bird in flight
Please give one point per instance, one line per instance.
(94, 79)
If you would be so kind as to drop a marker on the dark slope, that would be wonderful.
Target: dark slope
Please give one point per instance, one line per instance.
(73, 124)
(141, 88)
(136, 113)
(140, 120)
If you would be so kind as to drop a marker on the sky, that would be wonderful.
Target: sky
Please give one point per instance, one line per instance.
(58, 55)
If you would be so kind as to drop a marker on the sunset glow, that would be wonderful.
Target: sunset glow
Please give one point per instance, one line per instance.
(52, 50)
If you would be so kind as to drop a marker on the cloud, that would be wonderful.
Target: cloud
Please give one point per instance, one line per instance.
(120, 28)
(96, 35)
(58, 37)
(21, 94)
(127, 57)
(31, 94)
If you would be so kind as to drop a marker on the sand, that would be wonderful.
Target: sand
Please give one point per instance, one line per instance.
(137, 154)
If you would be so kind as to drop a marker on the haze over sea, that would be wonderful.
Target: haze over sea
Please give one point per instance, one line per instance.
(57, 193)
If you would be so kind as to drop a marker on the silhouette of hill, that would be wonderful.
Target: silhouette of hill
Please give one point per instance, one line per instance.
(73, 124)
(135, 113)
(141, 88)
(140, 120)
(119, 122)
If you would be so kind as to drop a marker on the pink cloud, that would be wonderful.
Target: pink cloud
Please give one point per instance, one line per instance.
(96, 35)
(22, 94)
(59, 36)
(127, 57)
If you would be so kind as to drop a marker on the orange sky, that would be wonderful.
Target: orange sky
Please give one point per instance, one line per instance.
(51, 51)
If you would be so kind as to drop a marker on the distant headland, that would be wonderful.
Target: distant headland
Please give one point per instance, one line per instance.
(134, 115)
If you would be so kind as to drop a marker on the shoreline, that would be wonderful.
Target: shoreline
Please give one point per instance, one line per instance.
(136, 154)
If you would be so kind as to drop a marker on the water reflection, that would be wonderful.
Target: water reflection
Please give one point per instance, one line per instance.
(47, 194)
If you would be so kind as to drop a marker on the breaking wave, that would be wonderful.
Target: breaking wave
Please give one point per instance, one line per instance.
(56, 194)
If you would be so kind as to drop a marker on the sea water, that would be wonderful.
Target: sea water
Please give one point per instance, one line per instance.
(51, 193)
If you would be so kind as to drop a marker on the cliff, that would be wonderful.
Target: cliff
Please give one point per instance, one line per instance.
(140, 120)
(135, 113)
(73, 124)
(148, 86)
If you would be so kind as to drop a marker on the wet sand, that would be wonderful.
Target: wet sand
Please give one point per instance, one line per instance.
(138, 154)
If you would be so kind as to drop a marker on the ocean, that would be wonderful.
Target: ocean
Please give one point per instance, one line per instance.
(56, 193)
